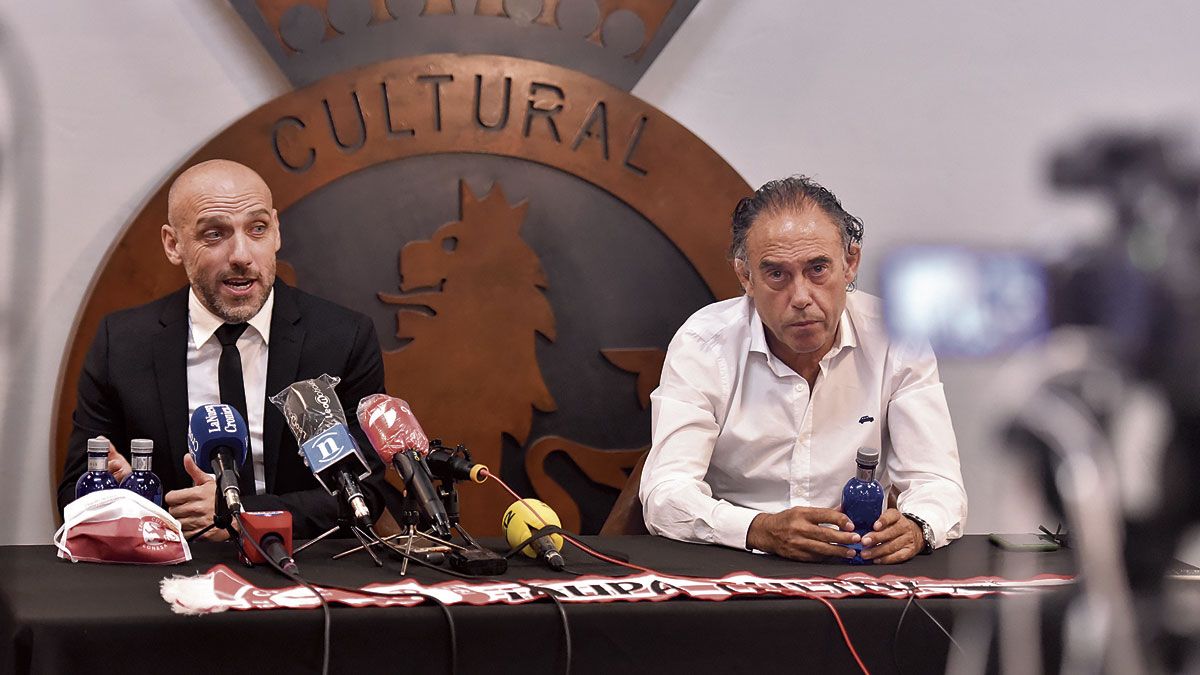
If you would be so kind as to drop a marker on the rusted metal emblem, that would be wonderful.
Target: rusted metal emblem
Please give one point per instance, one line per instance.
(526, 234)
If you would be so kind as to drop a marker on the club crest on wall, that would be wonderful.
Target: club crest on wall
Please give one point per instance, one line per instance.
(476, 177)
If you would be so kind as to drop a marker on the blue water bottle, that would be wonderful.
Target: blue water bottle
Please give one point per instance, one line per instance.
(862, 499)
(143, 481)
(97, 476)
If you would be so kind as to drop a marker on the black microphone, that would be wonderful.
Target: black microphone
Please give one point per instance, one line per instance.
(217, 439)
(315, 415)
(445, 463)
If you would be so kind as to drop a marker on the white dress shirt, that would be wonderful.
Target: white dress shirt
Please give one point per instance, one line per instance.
(736, 432)
(204, 356)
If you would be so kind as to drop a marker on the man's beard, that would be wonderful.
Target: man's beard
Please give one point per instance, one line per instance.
(232, 313)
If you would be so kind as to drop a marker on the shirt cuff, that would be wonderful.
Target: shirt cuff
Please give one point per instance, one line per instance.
(732, 524)
(943, 532)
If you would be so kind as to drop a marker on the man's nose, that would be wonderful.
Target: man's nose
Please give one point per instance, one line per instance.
(239, 252)
(801, 294)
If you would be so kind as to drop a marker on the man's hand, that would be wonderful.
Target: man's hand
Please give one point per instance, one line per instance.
(118, 466)
(193, 507)
(797, 533)
(894, 539)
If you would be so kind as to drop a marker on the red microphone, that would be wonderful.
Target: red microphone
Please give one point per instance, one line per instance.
(396, 435)
(391, 426)
(273, 532)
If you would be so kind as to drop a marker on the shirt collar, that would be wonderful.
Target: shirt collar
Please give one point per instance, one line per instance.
(204, 323)
(847, 337)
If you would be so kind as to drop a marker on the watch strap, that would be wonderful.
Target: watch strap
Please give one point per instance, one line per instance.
(926, 532)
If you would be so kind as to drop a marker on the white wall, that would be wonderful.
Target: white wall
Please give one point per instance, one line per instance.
(929, 119)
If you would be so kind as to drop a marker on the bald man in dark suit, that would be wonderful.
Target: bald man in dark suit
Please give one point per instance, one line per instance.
(149, 367)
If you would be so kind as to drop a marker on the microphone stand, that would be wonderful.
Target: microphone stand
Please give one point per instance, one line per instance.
(222, 518)
(346, 522)
(476, 560)
(410, 517)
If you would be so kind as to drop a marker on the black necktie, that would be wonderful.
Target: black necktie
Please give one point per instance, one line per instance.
(233, 391)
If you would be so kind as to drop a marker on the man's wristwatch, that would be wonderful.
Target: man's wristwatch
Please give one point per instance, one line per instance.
(926, 532)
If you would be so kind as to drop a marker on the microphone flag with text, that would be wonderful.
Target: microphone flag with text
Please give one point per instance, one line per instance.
(524, 518)
(217, 440)
(396, 435)
(317, 420)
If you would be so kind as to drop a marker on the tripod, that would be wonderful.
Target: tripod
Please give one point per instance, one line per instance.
(346, 521)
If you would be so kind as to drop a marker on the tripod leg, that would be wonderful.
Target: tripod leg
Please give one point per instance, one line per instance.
(412, 531)
(366, 542)
(324, 534)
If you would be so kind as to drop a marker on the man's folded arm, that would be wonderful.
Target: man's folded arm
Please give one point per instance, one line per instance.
(676, 501)
(924, 464)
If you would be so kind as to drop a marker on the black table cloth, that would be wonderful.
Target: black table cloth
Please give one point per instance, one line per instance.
(58, 617)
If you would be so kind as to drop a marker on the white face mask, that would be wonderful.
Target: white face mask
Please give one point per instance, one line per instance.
(118, 526)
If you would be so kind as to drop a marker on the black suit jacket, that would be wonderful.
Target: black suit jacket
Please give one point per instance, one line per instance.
(134, 385)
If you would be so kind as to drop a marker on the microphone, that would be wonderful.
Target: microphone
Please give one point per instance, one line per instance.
(520, 523)
(273, 532)
(217, 439)
(396, 435)
(445, 463)
(317, 420)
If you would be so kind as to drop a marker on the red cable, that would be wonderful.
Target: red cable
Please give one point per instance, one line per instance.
(845, 635)
(837, 617)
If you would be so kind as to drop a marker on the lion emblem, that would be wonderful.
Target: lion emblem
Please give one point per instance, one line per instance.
(472, 307)
(156, 534)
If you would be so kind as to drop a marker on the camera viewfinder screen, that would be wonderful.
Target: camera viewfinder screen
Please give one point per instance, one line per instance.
(964, 302)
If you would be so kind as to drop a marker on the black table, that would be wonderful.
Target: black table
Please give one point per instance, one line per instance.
(61, 617)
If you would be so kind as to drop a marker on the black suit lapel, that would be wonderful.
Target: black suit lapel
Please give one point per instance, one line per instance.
(170, 370)
(283, 363)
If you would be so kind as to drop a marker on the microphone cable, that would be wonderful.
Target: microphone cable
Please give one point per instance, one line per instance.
(201, 532)
(912, 600)
(453, 633)
(538, 590)
(299, 580)
(586, 549)
(313, 588)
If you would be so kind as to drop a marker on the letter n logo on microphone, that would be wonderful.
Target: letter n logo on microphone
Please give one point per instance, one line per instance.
(327, 448)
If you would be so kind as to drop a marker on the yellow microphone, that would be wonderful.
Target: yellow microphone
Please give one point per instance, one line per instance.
(520, 523)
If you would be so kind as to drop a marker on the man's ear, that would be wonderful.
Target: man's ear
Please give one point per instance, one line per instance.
(743, 273)
(278, 232)
(853, 256)
(170, 244)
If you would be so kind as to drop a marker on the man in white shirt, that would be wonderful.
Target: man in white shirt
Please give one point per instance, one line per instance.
(765, 399)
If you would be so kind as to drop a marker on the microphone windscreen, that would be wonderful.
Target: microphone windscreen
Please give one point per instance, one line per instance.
(519, 523)
(391, 426)
(213, 426)
(258, 524)
(310, 406)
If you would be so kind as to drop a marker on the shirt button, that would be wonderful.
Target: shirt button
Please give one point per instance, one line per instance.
(800, 388)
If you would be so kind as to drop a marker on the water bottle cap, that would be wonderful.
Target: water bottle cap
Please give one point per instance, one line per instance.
(141, 446)
(868, 456)
(97, 445)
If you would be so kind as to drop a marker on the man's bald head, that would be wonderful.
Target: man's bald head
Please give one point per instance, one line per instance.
(223, 230)
(209, 177)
